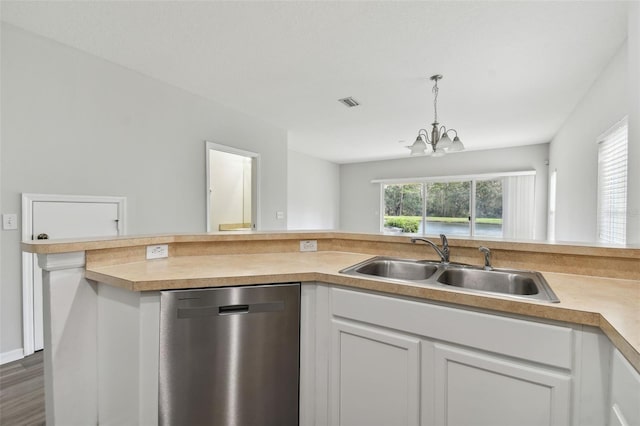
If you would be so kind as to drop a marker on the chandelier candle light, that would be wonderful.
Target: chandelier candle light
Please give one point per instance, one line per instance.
(440, 141)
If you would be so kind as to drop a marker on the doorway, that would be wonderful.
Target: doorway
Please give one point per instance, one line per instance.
(47, 216)
(232, 188)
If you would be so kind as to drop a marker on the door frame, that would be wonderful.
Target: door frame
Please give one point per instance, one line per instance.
(255, 180)
(29, 260)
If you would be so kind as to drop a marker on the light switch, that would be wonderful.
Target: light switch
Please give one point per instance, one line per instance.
(9, 221)
(279, 215)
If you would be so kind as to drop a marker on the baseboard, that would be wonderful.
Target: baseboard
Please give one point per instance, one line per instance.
(14, 355)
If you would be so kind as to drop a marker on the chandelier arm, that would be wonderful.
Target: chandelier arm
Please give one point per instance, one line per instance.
(423, 132)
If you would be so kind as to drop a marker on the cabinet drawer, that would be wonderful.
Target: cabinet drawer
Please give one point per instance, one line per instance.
(533, 341)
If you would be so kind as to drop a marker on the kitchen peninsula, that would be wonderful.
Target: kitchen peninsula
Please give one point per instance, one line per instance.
(582, 354)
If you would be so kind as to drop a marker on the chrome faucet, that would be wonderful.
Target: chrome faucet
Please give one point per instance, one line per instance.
(443, 253)
(487, 258)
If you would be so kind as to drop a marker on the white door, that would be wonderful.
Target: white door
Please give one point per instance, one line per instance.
(59, 217)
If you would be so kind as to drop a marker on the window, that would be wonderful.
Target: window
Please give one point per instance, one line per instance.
(403, 206)
(612, 184)
(496, 206)
(448, 208)
(489, 207)
(551, 221)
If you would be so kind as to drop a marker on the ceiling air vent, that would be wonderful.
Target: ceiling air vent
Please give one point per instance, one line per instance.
(349, 102)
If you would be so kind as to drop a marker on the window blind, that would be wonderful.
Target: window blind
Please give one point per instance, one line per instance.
(518, 207)
(612, 184)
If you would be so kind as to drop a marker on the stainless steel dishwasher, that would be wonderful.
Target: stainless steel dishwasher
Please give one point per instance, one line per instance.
(230, 356)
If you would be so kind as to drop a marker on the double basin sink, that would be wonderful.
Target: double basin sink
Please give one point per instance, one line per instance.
(506, 282)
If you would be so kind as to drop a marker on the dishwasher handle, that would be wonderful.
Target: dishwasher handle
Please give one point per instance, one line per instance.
(233, 309)
(209, 311)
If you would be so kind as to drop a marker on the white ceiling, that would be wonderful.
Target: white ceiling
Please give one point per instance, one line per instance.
(513, 71)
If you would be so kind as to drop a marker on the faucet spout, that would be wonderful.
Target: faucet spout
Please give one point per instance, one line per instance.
(443, 253)
(487, 258)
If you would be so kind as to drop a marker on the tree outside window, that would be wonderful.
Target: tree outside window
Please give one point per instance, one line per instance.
(444, 207)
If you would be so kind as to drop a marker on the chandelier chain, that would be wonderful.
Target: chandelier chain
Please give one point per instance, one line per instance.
(435, 101)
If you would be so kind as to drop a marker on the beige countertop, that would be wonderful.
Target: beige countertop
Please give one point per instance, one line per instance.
(93, 243)
(613, 305)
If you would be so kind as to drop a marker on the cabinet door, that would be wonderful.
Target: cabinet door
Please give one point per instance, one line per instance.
(473, 388)
(374, 376)
(625, 392)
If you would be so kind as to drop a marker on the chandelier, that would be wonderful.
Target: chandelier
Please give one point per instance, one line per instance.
(439, 140)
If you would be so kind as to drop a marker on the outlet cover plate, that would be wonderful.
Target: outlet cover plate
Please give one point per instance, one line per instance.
(158, 251)
(9, 221)
(309, 245)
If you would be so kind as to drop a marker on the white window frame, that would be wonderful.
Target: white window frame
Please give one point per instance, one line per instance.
(551, 221)
(445, 179)
(613, 151)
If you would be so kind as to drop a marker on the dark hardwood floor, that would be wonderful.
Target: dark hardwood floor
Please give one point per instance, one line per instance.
(22, 392)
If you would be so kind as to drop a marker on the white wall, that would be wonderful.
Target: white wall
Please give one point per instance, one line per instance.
(360, 199)
(633, 189)
(313, 193)
(574, 151)
(75, 124)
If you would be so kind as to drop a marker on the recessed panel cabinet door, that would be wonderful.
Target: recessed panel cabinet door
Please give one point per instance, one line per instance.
(625, 392)
(375, 377)
(473, 388)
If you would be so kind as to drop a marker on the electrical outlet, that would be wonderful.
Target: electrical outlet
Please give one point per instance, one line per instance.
(308, 245)
(157, 252)
(9, 221)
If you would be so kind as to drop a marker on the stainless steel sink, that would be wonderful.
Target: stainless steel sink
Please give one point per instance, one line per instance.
(506, 282)
(498, 282)
(398, 269)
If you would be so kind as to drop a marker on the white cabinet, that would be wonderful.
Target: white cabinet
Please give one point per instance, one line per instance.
(397, 361)
(375, 376)
(475, 388)
(625, 393)
(365, 358)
